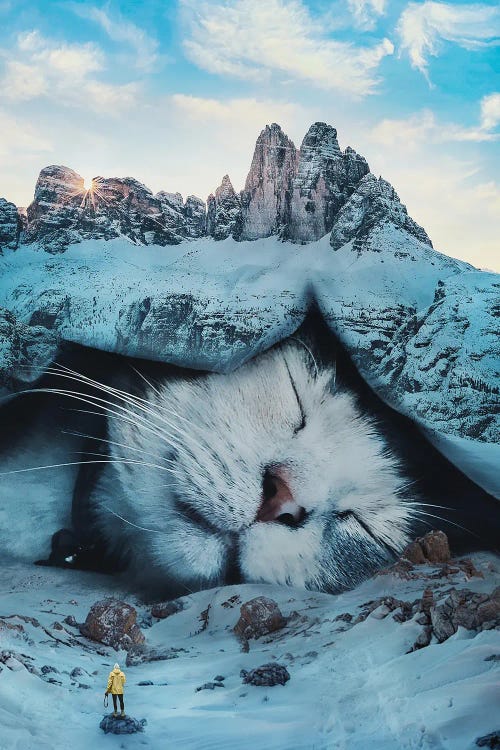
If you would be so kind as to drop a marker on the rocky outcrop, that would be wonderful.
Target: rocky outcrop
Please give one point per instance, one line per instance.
(223, 211)
(434, 352)
(466, 609)
(325, 178)
(374, 202)
(65, 211)
(25, 351)
(10, 225)
(267, 195)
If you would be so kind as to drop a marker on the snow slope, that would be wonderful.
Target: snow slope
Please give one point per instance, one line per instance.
(350, 687)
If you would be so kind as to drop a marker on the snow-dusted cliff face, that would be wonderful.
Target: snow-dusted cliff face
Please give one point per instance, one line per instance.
(294, 194)
(223, 211)
(65, 211)
(420, 326)
(10, 225)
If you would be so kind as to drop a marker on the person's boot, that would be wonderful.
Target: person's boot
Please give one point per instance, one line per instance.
(122, 714)
(115, 714)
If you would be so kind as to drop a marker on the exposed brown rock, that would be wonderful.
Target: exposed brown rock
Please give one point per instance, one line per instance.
(259, 616)
(431, 548)
(161, 610)
(113, 622)
(464, 608)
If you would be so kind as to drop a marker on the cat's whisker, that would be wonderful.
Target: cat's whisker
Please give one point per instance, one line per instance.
(144, 378)
(131, 399)
(112, 442)
(125, 414)
(77, 463)
(445, 520)
(122, 459)
(302, 343)
(125, 520)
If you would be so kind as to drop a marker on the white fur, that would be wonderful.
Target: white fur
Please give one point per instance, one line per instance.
(209, 439)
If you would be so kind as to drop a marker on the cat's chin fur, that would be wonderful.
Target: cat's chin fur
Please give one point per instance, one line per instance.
(180, 502)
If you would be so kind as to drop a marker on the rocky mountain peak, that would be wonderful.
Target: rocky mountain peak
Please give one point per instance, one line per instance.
(225, 189)
(224, 211)
(373, 203)
(63, 211)
(298, 195)
(266, 197)
(325, 178)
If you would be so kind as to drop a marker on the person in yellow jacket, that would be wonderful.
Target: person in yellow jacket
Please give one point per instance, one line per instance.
(116, 681)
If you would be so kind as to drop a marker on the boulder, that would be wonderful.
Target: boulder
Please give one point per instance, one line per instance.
(431, 548)
(113, 622)
(128, 725)
(259, 616)
(161, 610)
(267, 675)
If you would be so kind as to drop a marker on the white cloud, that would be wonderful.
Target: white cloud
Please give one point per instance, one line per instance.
(23, 81)
(367, 12)
(20, 136)
(62, 72)
(424, 127)
(249, 40)
(248, 113)
(423, 27)
(490, 111)
(121, 30)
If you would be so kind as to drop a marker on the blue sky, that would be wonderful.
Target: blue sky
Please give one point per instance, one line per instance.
(175, 94)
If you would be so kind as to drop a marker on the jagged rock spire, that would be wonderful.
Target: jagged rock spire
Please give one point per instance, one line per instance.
(266, 197)
(325, 178)
(223, 211)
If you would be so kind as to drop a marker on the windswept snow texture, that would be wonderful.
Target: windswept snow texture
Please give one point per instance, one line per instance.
(421, 327)
(351, 687)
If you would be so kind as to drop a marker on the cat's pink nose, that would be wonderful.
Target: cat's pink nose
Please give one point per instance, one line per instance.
(278, 503)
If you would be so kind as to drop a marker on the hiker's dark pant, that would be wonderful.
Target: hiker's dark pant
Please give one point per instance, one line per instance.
(120, 697)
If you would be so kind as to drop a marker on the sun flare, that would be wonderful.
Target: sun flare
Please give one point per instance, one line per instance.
(88, 183)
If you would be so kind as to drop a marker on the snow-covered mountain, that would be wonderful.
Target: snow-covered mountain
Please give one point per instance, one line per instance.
(154, 276)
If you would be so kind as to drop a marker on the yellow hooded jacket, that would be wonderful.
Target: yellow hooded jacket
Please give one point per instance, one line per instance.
(116, 681)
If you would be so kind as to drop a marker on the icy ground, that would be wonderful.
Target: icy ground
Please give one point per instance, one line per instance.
(351, 687)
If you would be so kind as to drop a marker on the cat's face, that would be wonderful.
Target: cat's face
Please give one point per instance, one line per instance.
(266, 474)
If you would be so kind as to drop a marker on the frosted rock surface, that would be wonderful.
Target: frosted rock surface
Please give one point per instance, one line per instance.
(10, 225)
(223, 211)
(324, 180)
